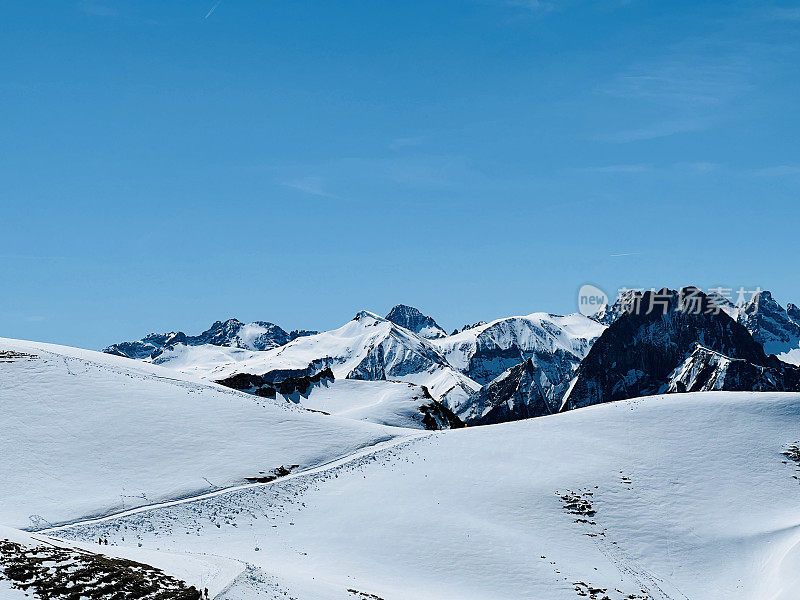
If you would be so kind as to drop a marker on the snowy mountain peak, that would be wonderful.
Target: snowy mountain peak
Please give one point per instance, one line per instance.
(363, 315)
(794, 312)
(772, 326)
(413, 320)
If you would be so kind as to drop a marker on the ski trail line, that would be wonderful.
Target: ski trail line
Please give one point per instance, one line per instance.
(342, 460)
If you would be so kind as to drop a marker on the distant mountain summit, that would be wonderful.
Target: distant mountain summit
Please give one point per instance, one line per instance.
(258, 335)
(776, 328)
(413, 320)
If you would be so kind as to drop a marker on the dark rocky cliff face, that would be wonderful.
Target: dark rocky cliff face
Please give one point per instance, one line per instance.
(637, 353)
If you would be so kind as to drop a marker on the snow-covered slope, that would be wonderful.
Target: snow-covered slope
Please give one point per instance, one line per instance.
(685, 496)
(395, 403)
(84, 433)
(367, 348)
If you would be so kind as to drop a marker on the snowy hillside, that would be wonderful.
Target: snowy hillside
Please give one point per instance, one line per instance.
(85, 433)
(678, 497)
(394, 403)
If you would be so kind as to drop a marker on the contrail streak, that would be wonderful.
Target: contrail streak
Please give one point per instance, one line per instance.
(213, 8)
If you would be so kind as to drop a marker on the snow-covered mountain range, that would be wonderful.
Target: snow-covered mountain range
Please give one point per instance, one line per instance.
(266, 465)
(259, 335)
(506, 369)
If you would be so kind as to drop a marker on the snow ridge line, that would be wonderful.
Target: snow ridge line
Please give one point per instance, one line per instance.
(342, 460)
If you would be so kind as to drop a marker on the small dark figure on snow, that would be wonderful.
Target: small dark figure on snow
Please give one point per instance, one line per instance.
(206, 590)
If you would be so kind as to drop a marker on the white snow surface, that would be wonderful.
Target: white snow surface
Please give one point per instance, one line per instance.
(791, 357)
(85, 433)
(682, 496)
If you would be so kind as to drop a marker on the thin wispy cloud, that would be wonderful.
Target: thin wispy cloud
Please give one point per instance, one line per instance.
(30, 257)
(700, 167)
(309, 185)
(96, 8)
(659, 130)
(778, 171)
(784, 14)
(622, 254)
(532, 5)
(616, 169)
(406, 142)
(694, 87)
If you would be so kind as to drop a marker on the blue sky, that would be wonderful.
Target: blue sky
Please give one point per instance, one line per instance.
(165, 165)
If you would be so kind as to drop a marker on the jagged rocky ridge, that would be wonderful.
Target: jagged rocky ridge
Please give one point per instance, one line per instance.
(776, 328)
(258, 335)
(530, 389)
(705, 370)
(645, 350)
(413, 320)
